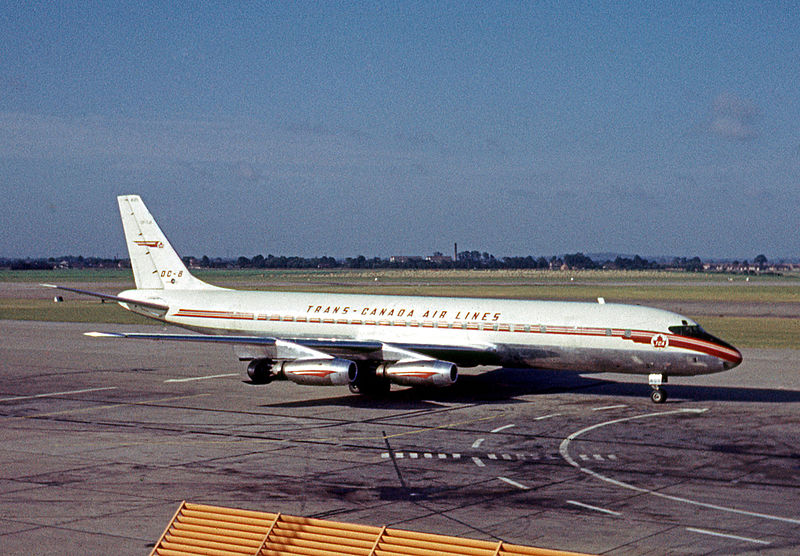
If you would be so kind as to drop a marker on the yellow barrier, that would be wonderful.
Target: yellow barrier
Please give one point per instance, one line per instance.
(200, 530)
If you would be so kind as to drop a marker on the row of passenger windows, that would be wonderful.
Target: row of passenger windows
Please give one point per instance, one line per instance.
(451, 325)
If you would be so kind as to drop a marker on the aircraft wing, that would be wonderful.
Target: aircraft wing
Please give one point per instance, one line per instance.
(298, 348)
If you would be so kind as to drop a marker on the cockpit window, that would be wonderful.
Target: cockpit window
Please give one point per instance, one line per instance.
(695, 331)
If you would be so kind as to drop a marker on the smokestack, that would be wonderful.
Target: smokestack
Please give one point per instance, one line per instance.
(455, 252)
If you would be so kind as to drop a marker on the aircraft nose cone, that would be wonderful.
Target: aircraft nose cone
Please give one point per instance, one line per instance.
(733, 361)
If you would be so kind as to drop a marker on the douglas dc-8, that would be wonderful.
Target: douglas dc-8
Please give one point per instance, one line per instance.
(372, 341)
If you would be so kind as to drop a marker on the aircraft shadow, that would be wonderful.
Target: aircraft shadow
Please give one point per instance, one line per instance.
(507, 385)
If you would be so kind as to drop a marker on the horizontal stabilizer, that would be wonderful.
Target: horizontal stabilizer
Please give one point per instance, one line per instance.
(127, 300)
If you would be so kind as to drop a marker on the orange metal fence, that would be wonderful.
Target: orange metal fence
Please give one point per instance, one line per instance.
(198, 529)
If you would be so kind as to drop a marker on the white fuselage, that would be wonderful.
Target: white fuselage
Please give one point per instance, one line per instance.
(540, 334)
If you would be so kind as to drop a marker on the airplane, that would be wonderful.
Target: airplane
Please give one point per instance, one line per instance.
(370, 342)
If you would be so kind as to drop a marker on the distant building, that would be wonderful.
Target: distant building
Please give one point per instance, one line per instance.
(402, 259)
(438, 258)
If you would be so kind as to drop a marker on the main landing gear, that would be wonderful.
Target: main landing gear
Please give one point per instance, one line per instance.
(658, 395)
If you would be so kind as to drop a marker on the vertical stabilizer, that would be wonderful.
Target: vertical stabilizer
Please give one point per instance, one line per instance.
(155, 264)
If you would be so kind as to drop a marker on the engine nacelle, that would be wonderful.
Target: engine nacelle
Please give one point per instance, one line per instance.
(320, 372)
(420, 373)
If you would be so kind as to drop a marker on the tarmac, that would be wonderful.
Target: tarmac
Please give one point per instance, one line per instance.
(102, 439)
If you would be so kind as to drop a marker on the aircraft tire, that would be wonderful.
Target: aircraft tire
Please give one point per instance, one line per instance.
(658, 395)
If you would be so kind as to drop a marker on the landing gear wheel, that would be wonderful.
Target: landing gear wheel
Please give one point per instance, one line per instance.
(658, 395)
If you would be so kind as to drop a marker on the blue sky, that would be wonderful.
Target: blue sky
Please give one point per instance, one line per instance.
(346, 128)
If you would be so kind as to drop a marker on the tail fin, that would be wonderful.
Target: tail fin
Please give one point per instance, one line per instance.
(156, 265)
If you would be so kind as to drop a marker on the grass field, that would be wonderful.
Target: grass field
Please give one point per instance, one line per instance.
(624, 287)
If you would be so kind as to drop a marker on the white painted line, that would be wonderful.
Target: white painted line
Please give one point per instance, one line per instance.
(428, 455)
(478, 462)
(725, 535)
(456, 456)
(52, 394)
(398, 455)
(564, 451)
(478, 442)
(598, 457)
(413, 455)
(507, 457)
(584, 457)
(609, 407)
(595, 508)
(385, 455)
(491, 456)
(190, 379)
(612, 457)
(514, 483)
(504, 427)
(547, 416)
(442, 456)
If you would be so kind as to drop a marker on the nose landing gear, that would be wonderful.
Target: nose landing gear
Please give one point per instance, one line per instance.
(658, 395)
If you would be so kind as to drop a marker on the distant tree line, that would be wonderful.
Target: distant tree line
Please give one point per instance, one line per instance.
(67, 261)
(473, 260)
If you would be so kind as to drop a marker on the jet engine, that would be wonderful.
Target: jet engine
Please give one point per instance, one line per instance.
(320, 372)
(420, 373)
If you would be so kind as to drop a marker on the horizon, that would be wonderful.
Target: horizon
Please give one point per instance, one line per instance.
(598, 258)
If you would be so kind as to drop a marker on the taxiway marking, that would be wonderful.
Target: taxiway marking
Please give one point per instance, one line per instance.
(504, 427)
(594, 508)
(478, 462)
(604, 408)
(109, 406)
(478, 442)
(726, 535)
(546, 416)
(493, 457)
(514, 483)
(52, 394)
(564, 450)
(190, 379)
